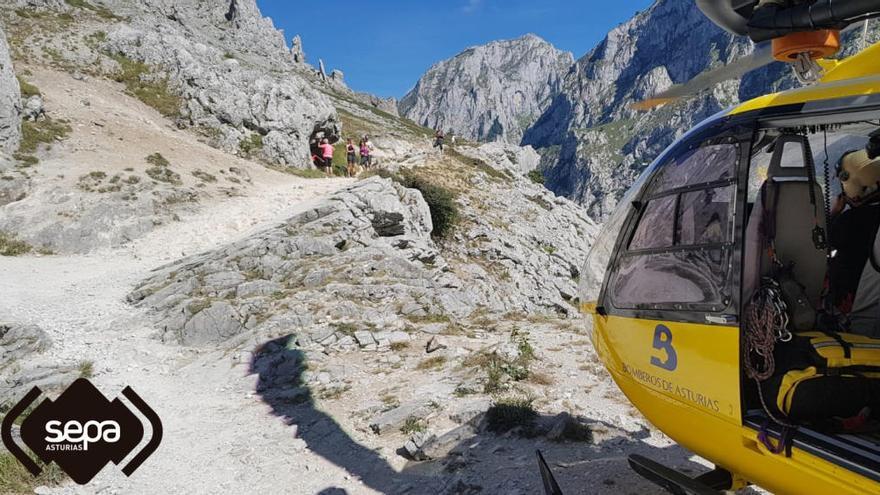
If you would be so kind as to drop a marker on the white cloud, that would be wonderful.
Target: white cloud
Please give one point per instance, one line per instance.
(471, 6)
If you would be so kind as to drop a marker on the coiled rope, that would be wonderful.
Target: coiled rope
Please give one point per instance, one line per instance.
(766, 322)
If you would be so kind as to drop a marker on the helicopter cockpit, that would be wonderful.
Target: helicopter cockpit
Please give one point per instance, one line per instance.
(689, 243)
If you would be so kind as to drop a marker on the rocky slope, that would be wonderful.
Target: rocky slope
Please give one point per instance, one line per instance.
(491, 92)
(10, 103)
(321, 334)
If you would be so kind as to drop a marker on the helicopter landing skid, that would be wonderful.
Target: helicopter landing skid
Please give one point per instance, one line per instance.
(711, 483)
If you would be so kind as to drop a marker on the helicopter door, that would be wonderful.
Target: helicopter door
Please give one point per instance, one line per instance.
(671, 295)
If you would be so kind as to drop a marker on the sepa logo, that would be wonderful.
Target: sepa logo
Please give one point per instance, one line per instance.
(82, 431)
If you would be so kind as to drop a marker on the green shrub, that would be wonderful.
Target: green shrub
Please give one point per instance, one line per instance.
(537, 177)
(512, 412)
(10, 246)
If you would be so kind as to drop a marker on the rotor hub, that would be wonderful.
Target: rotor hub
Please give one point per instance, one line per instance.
(812, 44)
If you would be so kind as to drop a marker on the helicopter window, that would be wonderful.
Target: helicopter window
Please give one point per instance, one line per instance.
(695, 276)
(705, 217)
(679, 255)
(699, 166)
(656, 229)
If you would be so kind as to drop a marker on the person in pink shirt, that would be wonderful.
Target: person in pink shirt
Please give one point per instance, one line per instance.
(327, 154)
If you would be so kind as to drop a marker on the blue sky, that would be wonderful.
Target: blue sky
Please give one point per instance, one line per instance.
(384, 46)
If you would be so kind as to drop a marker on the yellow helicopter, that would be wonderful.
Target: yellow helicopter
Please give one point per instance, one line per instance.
(676, 283)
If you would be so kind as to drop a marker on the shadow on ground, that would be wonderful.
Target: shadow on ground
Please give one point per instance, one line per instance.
(484, 464)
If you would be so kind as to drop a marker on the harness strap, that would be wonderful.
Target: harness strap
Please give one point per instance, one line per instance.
(847, 346)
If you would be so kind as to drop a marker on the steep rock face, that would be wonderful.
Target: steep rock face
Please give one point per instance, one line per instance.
(491, 92)
(593, 144)
(234, 72)
(10, 102)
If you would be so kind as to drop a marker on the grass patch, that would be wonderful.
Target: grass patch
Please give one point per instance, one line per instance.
(27, 89)
(10, 246)
(15, 479)
(500, 369)
(158, 160)
(305, 173)
(164, 174)
(151, 90)
(413, 425)
(537, 177)
(86, 369)
(251, 144)
(45, 131)
(512, 412)
(98, 10)
(432, 363)
(204, 176)
(399, 346)
(346, 328)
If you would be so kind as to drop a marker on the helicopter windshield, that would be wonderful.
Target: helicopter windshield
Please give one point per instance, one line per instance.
(603, 247)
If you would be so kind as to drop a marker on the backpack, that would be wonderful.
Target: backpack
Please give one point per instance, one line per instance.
(826, 375)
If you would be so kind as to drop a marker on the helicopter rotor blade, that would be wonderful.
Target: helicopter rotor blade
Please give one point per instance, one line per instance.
(762, 55)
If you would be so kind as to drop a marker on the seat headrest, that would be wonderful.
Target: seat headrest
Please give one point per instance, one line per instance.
(791, 154)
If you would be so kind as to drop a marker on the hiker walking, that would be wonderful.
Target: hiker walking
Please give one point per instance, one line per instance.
(351, 154)
(438, 140)
(366, 149)
(327, 154)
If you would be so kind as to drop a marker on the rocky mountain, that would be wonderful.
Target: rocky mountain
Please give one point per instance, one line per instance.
(161, 228)
(593, 144)
(491, 92)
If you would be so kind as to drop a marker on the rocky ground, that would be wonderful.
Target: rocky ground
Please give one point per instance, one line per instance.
(412, 331)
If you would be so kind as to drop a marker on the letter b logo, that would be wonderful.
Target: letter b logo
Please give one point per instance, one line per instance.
(663, 342)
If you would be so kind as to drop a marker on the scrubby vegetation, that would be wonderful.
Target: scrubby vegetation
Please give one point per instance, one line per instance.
(151, 89)
(15, 479)
(27, 89)
(158, 160)
(97, 9)
(10, 246)
(41, 132)
(413, 425)
(537, 177)
(512, 412)
(252, 144)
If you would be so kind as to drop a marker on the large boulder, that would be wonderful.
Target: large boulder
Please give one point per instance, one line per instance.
(10, 102)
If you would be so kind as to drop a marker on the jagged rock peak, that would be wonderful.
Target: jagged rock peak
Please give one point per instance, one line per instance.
(490, 92)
